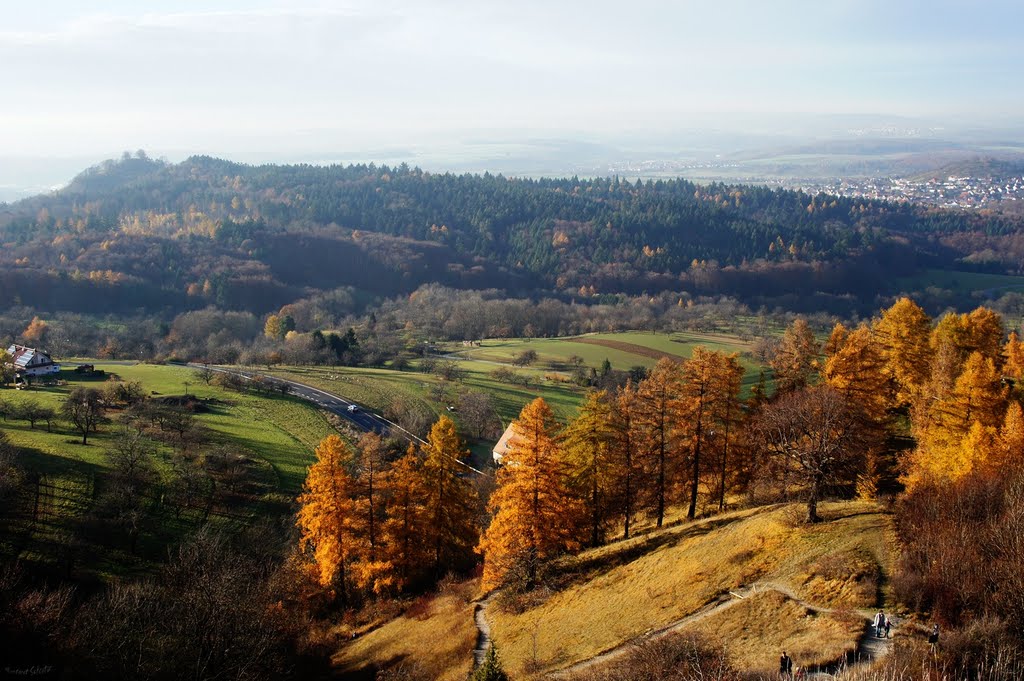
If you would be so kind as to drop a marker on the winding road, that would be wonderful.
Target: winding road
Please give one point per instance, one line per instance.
(340, 406)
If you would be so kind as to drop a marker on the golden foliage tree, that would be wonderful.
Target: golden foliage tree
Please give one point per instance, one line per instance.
(370, 570)
(326, 513)
(1011, 438)
(36, 331)
(904, 332)
(985, 334)
(587, 442)
(404, 530)
(858, 371)
(535, 515)
(836, 339)
(624, 455)
(1013, 367)
(657, 412)
(795, 359)
(452, 505)
(273, 328)
(708, 382)
(729, 416)
(941, 424)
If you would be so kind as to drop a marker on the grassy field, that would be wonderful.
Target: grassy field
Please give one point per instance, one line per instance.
(276, 435)
(434, 638)
(961, 282)
(378, 389)
(651, 581)
(387, 391)
(623, 350)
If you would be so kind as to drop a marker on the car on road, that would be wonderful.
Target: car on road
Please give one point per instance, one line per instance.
(353, 408)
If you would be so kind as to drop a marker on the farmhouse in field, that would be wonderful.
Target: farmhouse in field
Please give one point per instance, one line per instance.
(32, 362)
(501, 449)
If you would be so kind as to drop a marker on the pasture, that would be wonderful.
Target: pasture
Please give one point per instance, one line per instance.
(271, 437)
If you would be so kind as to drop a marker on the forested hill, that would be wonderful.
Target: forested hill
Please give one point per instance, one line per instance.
(142, 233)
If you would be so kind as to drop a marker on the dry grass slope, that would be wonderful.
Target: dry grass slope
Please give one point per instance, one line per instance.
(616, 593)
(433, 640)
(755, 632)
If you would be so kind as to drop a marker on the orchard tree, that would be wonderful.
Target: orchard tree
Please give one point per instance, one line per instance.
(84, 409)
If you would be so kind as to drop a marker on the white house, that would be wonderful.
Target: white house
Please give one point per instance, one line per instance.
(501, 449)
(32, 362)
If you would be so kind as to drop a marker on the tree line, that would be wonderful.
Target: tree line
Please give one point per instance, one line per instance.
(178, 237)
(683, 437)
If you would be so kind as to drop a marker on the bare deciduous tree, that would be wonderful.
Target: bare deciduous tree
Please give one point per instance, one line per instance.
(812, 438)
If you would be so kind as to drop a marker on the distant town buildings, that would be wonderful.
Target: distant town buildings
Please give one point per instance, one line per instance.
(952, 192)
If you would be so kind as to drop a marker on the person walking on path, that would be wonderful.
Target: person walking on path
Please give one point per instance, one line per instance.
(933, 638)
(888, 626)
(878, 623)
(785, 666)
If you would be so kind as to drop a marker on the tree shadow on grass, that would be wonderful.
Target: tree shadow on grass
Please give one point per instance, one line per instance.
(577, 570)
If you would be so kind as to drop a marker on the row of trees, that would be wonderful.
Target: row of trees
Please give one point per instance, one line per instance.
(374, 526)
(830, 426)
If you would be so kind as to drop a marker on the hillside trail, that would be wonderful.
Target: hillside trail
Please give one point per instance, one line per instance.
(483, 629)
(869, 648)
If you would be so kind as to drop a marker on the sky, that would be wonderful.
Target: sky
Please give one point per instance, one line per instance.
(83, 78)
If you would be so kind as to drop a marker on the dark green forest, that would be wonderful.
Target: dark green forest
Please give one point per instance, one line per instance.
(139, 235)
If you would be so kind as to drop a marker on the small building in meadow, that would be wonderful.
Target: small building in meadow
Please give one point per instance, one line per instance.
(32, 362)
(501, 449)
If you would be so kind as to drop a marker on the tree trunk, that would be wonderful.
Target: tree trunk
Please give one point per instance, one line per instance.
(812, 500)
(725, 455)
(691, 513)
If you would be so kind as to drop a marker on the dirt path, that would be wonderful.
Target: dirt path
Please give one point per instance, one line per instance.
(483, 630)
(869, 648)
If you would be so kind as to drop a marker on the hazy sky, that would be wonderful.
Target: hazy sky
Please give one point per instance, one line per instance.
(97, 77)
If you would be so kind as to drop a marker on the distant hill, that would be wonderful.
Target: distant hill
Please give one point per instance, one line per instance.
(982, 166)
(143, 233)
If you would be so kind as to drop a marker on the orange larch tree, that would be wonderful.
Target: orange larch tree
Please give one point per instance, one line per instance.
(903, 333)
(795, 359)
(658, 410)
(370, 570)
(705, 384)
(452, 505)
(404, 530)
(728, 416)
(326, 513)
(535, 515)
(1011, 439)
(587, 442)
(941, 425)
(624, 454)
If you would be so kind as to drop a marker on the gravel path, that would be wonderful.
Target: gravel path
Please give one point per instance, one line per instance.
(869, 648)
(483, 630)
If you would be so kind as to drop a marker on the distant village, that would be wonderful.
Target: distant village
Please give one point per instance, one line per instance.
(952, 192)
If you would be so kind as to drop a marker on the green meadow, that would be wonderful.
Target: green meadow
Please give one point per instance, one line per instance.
(275, 434)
